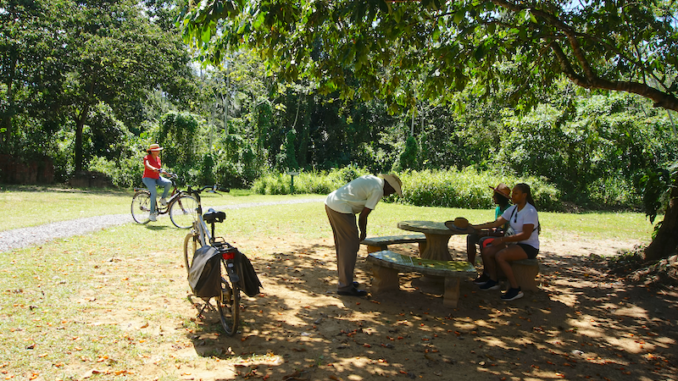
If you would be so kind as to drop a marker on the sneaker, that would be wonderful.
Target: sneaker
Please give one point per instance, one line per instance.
(481, 279)
(490, 285)
(356, 284)
(163, 202)
(512, 294)
(353, 292)
(153, 217)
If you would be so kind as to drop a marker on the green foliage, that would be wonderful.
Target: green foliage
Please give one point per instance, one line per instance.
(126, 169)
(286, 160)
(448, 46)
(311, 182)
(409, 158)
(469, 189)
(63, 62)
(178, 134)
(594, 151)
(656, 188)
(452, 189)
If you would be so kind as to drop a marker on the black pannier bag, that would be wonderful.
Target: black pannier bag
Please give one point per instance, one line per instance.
(205, 273)
(249, 281)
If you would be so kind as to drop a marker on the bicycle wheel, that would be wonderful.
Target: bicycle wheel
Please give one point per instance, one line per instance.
(184, 211)
(190, 246)
(228, 303)
(141, 207)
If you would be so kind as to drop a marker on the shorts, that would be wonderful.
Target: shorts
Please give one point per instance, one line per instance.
(531, 251)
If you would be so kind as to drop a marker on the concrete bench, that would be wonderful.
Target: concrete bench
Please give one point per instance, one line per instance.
(375, 244)
(386, 265)
(525, 271)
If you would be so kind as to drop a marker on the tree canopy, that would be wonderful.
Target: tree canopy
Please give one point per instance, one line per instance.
(388, 46)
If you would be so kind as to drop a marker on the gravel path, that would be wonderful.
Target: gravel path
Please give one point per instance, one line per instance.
(36, 235)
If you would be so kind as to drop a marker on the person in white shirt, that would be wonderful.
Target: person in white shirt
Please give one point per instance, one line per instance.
(360, 196)
(521, 242)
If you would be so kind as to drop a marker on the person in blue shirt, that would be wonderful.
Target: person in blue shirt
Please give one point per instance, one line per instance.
(501, 196)
(520, 242)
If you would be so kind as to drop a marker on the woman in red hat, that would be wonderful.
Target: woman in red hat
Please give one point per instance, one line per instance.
(152, 178)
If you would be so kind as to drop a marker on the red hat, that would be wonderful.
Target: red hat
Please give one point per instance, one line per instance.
(154, 147)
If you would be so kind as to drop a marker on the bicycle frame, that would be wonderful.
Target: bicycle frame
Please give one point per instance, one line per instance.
(199, 226)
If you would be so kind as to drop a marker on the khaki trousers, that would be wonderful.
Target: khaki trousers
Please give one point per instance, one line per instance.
(346, 244)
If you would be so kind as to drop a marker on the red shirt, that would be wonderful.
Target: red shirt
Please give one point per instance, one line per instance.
(154, 163)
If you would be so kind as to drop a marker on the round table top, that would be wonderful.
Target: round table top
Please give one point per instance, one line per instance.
(428, 227)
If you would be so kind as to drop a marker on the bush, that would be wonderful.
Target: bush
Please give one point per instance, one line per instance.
(125, 173)
(469, 189)
(127, 169)
(310, 182)
(451, 189)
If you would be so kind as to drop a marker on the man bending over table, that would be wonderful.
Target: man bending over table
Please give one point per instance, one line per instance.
(360, 196)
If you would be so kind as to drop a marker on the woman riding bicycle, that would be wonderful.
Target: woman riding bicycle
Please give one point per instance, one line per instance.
(152, 178)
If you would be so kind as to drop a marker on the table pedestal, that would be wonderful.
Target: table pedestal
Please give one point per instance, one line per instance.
(436, 247)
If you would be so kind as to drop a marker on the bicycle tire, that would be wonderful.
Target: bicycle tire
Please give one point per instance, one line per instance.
(141, 207)
(184, 211)
(228, 303)
(190, 246)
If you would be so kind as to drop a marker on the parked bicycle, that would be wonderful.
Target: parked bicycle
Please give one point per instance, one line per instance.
(181, 206)
(202, 248)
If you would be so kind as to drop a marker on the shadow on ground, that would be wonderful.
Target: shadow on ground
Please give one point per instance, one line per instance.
(582, 323)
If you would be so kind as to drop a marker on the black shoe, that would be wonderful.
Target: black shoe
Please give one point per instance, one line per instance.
(490, 285)
(353, 292)
(481, 279)
(512, 294)
(356, 284)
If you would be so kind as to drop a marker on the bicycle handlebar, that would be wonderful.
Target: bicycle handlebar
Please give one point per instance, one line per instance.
(169, 174)
(200, 190)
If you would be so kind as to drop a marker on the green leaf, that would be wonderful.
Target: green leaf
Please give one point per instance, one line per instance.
(459, 16)
(491, 28)
(258, 20)
(205, 35)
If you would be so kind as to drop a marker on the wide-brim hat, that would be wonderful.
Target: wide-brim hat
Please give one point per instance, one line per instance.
(155, 148)
(503, 190)
(394, 182)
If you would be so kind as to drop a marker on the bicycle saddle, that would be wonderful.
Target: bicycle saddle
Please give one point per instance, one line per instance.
(213, 216)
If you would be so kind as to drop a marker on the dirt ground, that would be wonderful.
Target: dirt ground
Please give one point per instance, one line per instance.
(582, 324)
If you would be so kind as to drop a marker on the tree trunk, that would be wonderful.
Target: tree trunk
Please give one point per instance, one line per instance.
(8, 116)
(666, 241)
(79, 124)
(304, 136)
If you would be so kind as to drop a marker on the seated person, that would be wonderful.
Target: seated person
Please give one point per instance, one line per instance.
(501, 196)
(522, 244)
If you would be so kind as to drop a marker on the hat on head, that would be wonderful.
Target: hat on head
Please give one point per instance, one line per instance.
(503, 190)
(394, 182)
(155, 147)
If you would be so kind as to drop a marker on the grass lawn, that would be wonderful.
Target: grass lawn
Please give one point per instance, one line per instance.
(26, 206)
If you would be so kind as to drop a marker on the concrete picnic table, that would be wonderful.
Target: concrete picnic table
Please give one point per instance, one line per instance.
(437, 237)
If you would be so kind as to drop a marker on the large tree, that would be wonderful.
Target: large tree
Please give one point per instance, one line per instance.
(59, 59)
(29, 71)
(628, 46)
(117, 55)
